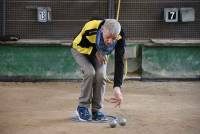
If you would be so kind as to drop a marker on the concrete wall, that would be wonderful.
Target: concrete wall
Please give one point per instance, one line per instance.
(30, 62)
(36, 63)
(171, 62)
(55, 62)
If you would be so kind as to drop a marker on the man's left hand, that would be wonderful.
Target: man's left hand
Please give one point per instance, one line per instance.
(117, 96)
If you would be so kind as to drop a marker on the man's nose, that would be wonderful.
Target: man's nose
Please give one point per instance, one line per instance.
(109, 41)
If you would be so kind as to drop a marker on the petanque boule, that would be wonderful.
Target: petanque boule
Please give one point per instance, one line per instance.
(122, 121)
(113, 123)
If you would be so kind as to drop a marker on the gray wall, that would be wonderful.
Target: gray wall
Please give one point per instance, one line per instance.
(67, 17)
(141, 19)
(1, 16)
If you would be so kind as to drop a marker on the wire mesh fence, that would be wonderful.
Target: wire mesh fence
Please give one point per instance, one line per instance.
(140, 19)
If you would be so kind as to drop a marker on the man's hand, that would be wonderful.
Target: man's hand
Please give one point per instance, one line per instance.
(102, 59)
(117, 96)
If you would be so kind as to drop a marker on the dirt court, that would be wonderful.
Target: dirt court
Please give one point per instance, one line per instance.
(149, 107)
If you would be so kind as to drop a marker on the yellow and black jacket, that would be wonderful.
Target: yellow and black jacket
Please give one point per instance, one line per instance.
(85, 43)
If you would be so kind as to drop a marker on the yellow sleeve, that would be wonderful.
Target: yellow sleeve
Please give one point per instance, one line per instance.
(89, 25)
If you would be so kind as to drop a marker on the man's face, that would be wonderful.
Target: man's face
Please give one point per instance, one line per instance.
(108, 37)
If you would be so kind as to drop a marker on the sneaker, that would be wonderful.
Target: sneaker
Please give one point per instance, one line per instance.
(97, 115)
(83, 113)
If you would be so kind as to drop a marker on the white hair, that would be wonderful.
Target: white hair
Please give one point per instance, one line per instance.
(113, 26)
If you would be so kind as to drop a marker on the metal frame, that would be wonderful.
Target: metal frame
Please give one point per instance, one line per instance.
(4, 18)
(111, 9)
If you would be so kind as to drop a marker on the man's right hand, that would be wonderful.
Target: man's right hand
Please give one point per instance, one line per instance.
(102, 59)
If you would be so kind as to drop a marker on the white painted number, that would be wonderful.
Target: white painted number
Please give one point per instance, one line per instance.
(172, 15)
(43, 15)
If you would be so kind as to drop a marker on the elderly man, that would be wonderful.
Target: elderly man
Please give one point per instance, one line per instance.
(96, 40)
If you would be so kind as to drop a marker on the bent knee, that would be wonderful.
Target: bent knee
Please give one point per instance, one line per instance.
(100, 75)
(89, 73)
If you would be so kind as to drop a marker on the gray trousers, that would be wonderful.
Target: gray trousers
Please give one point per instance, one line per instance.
(93, 84)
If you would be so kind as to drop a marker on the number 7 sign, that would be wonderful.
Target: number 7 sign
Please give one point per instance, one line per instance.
(171, 14)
